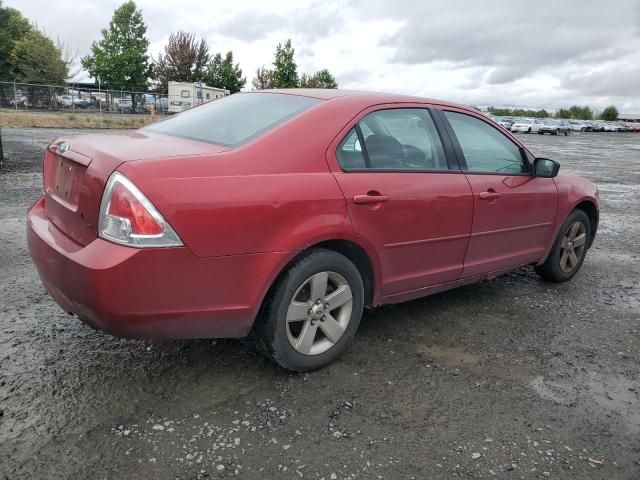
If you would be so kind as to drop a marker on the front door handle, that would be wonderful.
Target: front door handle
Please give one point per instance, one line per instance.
(490, 194)
(369, 198)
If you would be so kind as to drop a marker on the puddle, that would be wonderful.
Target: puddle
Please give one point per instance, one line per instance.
(604, 398)
(608, 396)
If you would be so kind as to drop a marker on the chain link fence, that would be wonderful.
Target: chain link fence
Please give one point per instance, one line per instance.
(75, 98)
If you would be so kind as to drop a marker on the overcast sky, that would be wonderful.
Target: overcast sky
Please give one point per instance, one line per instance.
(481, 52)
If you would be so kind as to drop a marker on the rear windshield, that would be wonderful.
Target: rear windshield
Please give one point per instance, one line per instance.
(235, 119)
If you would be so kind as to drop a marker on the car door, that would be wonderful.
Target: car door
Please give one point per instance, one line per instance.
(404, 195)
(514, 211)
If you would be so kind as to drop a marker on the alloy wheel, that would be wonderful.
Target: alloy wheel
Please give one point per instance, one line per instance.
(573, 246)
(319, 313)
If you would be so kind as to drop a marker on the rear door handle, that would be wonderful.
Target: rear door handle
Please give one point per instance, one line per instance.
(369, 199)
(490, 194)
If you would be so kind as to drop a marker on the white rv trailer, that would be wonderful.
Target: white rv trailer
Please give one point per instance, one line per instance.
(183, 95)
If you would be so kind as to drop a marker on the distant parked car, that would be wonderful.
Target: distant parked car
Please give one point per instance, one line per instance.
(596, 126)
(156, 102)
(504, 122)
(631, 127)
(65, 100)
(579, 126)
(72, 100)
(123, 103)
(554, 127)
(21, 101)
(526, 125)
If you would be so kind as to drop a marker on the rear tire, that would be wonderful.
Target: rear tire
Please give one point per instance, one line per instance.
(569, 249)
(301, 332)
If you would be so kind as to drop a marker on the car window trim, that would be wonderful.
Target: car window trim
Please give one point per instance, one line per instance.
(452, 162)
(363, 146)
(460, 154)
(449, 151)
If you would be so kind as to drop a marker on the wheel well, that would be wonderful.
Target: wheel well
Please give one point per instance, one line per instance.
(360, 259)
(353, 252)
(592, 212)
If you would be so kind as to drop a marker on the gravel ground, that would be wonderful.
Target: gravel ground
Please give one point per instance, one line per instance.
(510, 378)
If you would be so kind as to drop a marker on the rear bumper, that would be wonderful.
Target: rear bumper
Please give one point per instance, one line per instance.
(150, 293)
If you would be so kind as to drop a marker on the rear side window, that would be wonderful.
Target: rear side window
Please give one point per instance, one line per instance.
(485, 149)
(349, 152)
(394, 139)
(234, 119)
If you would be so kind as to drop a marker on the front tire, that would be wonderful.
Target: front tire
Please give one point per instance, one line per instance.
(569, 249)
(312, 313)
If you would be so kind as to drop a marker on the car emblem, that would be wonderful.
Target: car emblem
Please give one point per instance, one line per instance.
(63, 147)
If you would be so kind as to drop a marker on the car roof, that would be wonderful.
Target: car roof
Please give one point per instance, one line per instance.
(363, 95)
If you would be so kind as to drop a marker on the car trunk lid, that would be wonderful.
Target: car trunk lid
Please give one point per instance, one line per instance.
(76, 169)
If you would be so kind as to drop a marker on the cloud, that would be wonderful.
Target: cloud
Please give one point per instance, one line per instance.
(310, 22)
(512, 40)
(609, 80)
(251, 26)
(479, 52)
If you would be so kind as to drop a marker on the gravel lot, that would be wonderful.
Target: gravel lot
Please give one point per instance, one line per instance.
(509, 378)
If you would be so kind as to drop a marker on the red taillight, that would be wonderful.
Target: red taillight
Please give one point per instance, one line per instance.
(129, 218)
(124, 205)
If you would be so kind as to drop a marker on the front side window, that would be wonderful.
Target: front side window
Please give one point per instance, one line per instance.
(235, 119)
(184, 94)
(485, 149)
(394, 139)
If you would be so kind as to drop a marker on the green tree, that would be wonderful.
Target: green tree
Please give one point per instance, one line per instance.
(320, 79)
(324, 79)
(183, 60)
(120, 61)
(563, 113)
(500, 112)
(517, 112)
(610, 114)
(580, 113)
(285, 71)
(13, 27)
(222, 73)
(263, 78)
(36, 59)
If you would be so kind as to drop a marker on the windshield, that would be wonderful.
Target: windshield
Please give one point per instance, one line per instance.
(235, 119)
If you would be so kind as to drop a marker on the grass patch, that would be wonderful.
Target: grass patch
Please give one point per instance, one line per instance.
(22, 119)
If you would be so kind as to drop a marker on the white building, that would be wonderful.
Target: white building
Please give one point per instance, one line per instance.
(629, 117)
(183, 95)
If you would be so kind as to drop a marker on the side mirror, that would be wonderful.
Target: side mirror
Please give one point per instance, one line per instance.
(545, 168)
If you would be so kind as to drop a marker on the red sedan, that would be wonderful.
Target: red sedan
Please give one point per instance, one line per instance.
(285, 213)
